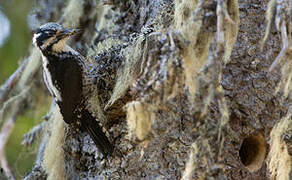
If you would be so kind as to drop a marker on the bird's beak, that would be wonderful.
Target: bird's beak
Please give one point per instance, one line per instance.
(73, 31)
(67, 33)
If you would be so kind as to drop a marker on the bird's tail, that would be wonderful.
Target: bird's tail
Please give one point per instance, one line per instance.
(91, 126)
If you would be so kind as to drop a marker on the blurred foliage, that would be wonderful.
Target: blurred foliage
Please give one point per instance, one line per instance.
(16, 46)
(14, 50)
(21, 158)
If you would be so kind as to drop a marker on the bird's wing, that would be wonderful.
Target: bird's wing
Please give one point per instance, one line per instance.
(70, 84)
(92, 127)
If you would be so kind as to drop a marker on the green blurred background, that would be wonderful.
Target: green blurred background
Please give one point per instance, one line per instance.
(12, 52)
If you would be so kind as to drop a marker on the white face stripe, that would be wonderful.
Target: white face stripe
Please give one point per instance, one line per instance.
(60, 46)
(35, 36)
(45, 44)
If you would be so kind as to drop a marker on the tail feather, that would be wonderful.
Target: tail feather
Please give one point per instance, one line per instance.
(91, 126)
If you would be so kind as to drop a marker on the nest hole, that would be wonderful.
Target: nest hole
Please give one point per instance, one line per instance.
(253, 151)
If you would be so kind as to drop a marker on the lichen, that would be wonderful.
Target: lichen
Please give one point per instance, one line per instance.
(139, 119)
(53, 160)
(279, 161)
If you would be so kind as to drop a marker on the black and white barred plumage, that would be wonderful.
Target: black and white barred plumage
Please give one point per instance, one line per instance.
(65, 75)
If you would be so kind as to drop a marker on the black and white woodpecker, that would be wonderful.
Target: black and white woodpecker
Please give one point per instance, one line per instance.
(64, 74)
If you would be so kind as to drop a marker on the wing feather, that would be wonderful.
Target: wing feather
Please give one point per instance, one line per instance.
(70, 85)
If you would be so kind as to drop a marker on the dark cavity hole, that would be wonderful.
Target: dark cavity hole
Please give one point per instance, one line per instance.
(252, 152)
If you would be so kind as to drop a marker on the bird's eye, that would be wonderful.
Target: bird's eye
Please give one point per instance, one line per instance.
(49, 33)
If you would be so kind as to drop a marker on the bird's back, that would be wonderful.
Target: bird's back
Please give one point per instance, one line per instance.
(67, 75)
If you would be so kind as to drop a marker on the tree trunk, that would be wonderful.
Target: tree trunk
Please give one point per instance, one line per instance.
(183, 89)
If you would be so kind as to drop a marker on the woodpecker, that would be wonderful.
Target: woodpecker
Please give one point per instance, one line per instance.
(65, 74)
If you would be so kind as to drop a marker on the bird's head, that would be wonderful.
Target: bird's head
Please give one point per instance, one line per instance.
(52, 37)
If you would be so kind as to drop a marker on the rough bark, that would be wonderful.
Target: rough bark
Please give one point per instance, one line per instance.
(173, 102)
